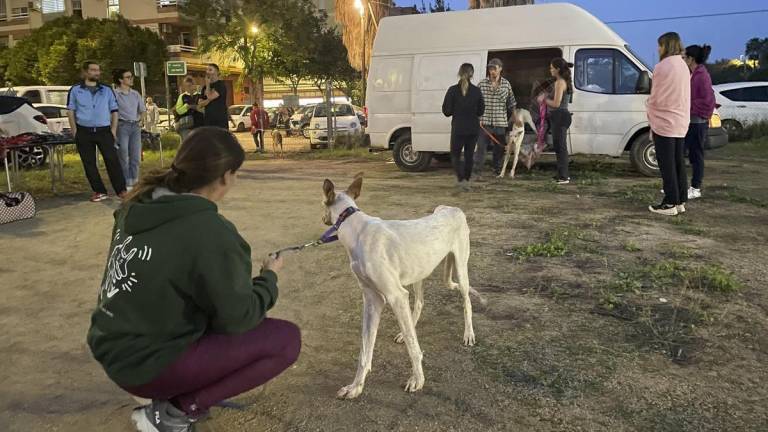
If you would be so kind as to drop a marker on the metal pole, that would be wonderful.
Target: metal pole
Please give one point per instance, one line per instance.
(168, 113)
(329, 114)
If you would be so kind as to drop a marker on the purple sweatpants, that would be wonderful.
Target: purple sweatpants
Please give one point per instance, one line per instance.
(217, 367)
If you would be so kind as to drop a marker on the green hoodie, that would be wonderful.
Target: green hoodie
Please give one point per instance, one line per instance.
(176, 270)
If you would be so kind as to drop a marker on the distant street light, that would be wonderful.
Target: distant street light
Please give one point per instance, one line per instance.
(254, 29)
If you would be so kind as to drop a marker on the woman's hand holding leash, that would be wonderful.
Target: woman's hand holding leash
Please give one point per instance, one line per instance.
(273, 262)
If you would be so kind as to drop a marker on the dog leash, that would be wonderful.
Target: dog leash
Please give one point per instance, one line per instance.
(329, 236)
(490, 135)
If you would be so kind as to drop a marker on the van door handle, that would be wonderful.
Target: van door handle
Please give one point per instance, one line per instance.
(741, 106)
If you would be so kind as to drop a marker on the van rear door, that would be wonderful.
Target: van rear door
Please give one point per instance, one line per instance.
(432, 75)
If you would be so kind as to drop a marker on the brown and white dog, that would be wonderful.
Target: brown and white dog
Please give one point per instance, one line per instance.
(515, 141)
(388, 256)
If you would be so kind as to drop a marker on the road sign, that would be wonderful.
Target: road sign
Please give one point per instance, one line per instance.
(176, 68)
(140, 69)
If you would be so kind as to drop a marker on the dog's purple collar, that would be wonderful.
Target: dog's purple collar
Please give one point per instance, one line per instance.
(330, 235)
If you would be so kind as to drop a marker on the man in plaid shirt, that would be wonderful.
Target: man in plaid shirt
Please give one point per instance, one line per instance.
(499, 102)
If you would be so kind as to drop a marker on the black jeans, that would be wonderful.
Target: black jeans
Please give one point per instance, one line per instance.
(258, 139)
(498, 150)
(671, 158)
(560, 121)
(694, 143)
(87, 140)
(465, 143)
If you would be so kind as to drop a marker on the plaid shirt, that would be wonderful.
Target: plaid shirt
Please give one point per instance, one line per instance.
(498, 102)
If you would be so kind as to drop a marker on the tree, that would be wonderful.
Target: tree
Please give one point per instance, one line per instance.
(435, 6)
(757, 49)
(348, 17)
(297, 53)
(53, 53)
(264, 36)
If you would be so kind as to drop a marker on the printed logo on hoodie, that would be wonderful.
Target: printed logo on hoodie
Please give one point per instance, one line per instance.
(119, 276)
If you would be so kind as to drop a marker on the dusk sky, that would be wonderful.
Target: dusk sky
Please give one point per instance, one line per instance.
(726, 34)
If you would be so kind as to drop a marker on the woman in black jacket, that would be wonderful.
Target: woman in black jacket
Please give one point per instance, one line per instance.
(464, 102)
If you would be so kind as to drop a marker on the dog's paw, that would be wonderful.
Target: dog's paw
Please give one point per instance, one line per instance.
(399, 338)
(414, 384)
(350, 392)
(469, 338)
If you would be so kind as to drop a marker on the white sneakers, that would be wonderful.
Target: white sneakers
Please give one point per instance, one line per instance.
(694, 193)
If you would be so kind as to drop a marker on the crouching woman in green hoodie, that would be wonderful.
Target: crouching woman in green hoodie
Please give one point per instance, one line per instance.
(180, 319)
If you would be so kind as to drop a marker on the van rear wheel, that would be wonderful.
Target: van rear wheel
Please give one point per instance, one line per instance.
(408, 159)
(643, 155)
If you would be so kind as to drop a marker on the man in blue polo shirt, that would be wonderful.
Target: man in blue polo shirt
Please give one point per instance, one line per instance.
(93, 119)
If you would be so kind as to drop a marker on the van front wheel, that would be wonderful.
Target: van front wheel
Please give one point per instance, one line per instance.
(408, 159)
(643, 155)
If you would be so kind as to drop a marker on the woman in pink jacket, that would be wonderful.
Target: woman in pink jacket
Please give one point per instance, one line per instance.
(669, 111)
(702, 107)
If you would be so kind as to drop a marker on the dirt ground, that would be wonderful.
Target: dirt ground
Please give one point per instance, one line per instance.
(604, 317)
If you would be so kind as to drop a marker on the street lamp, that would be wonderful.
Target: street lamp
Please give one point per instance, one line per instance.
(254, 29)
(361, 8)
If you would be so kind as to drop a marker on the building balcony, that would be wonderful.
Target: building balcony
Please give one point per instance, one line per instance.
(168, 5)
(175, 49)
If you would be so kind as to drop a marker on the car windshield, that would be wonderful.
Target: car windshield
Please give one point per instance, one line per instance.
(235, 110)
(58, 97)
(640, 59)
(339, 110)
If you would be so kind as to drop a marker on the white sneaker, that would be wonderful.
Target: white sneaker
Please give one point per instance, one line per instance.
(664, 209)
(681, 209)
(694, 193)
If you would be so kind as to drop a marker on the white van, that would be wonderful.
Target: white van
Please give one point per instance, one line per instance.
(52, 95)
(416, 58)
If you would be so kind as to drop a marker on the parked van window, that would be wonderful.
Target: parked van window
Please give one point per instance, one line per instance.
(605, 71)
(33, 96)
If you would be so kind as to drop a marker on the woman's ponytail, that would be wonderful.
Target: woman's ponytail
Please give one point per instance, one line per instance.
(466, 71)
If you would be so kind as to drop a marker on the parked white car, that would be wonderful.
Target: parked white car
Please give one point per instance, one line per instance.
(411, 69)
(17, 116)
(345, 118)
(300, 119)
(742, 104)
(240, 117)
(56, 116)
(55, 95)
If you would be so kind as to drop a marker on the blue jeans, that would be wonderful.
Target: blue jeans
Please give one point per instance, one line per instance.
(129, 150)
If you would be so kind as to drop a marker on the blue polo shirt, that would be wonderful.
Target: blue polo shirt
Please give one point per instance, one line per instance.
(93, 106)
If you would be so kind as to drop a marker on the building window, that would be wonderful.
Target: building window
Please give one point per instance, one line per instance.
(113, 7)
(3, 9)
(53, 6)
(185, 38)
(19, 12)
(77, 5)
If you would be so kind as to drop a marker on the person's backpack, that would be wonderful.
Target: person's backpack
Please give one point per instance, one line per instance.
(16, 206)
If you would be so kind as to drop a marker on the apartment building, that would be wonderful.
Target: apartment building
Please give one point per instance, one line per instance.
(19, 17)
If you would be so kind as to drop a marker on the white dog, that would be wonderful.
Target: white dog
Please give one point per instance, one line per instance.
(515, 140)
(388, 256)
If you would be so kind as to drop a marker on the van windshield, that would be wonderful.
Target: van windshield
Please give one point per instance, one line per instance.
(338, 110)
(637, 56)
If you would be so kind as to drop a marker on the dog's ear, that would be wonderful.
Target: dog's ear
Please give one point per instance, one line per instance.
(357, 185)
(329, 192)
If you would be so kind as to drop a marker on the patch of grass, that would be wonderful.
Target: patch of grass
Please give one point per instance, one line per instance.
(685, 226)
(38, 181)
(556, 245)
(354, 153)
(640, 193)
(589, 178)
(631, 246)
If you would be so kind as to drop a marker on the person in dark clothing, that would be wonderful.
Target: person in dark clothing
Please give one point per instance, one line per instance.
(702, 107)
(180, 319)
(93, 114)
(213, 98)
(559, 115)
(464, 103)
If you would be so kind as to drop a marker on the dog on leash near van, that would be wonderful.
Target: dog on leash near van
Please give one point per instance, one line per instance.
(386, 256)
(515, 141)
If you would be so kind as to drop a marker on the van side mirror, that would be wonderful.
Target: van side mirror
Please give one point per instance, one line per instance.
(643, 83)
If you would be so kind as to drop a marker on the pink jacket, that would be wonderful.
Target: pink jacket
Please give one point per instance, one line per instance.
(669, 107)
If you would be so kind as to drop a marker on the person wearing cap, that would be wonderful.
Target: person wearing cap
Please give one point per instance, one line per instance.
(499, 113)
